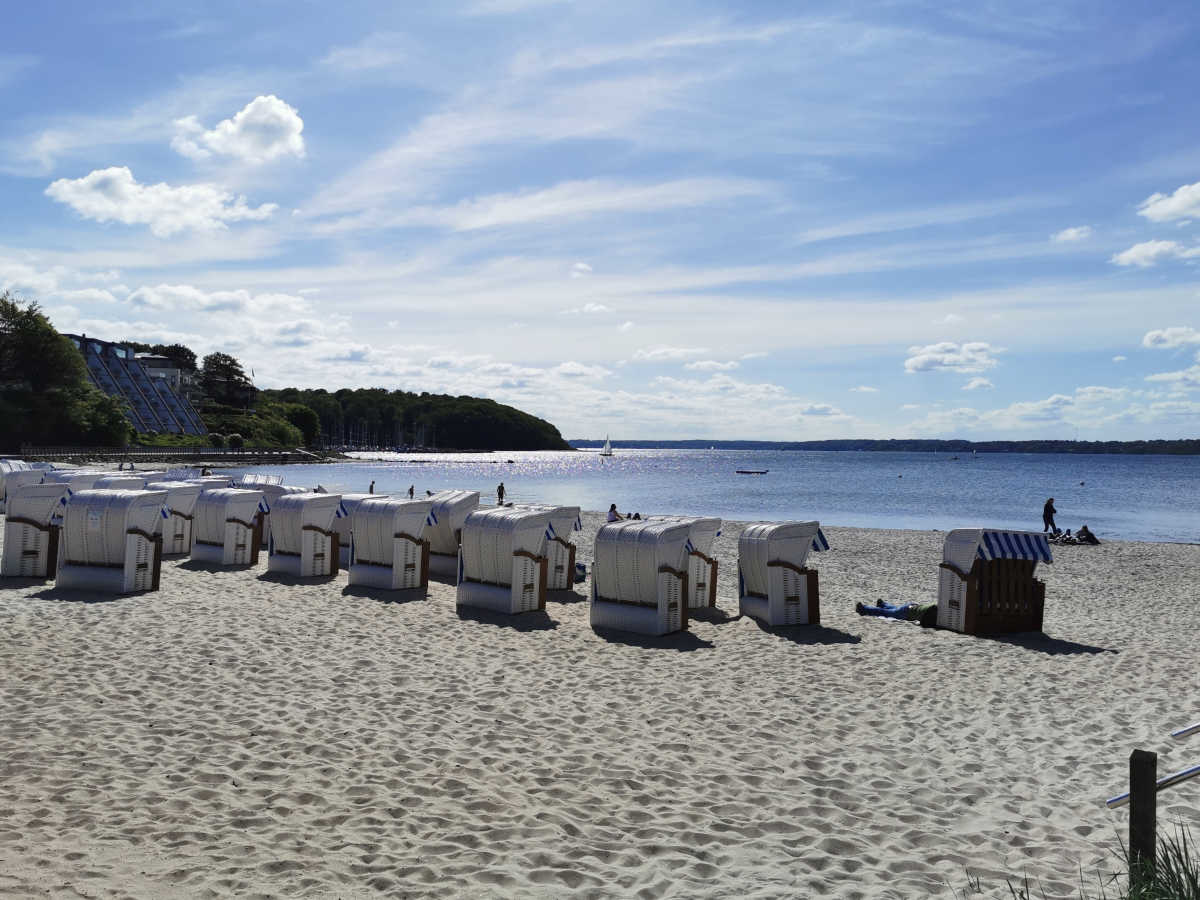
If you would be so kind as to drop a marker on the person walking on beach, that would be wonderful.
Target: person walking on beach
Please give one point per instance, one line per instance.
(410, 491)
(371, 489)
(1048, 512)
(500, 494)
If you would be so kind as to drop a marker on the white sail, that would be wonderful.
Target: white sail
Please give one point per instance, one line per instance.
(607, 449)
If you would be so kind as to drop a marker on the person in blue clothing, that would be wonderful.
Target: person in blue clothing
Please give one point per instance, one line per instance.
(924, 614)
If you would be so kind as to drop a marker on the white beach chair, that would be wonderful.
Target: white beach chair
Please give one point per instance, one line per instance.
(272, 491)
(227, 526)
(388, 549)
(16, 479)
(639, 576)
(31, 536)
(774, 585)
(74, 479)
(110, 541)
(345, 525)
(210, 482)
(181, 505)
(8, 467)
(560, 551)
(701, 567)
(502, 563)
(303, 542)
(450, 511)
(120, 483)
(986, 581)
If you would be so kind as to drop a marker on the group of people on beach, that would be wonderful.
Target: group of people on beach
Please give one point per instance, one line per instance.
(1083, 536)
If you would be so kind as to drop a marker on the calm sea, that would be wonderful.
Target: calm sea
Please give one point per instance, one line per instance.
(1151, 498)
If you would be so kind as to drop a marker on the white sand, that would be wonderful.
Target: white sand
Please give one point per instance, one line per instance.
(236, 734)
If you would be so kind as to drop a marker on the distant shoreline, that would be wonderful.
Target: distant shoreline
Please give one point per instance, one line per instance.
(1181, 447)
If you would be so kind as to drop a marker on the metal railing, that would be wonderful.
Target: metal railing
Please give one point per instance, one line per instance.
(1141, 798)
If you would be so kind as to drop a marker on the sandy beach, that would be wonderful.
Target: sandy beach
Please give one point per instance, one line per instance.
(240, 734)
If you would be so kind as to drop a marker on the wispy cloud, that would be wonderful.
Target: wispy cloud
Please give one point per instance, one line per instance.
(1149, 253)
(1072, 235)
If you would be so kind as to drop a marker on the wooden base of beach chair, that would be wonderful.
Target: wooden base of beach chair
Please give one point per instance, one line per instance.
(998, 596)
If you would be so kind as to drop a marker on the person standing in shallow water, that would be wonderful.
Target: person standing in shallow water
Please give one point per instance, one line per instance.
(410, 491)
(500, 494)
(371, 489)
(1048, 512)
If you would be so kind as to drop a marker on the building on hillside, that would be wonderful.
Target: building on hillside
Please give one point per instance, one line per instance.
(151, 388)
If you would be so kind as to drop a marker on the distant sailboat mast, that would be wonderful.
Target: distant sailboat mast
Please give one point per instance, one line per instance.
(606, 450)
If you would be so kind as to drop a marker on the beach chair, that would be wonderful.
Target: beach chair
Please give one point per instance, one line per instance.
(15, 480)
(774, 585)
(110, 541)
(639, 576)
(388, 549)
(120, 483)
(227, 526)
(560, 551)
(502, 563)
(181, 505)
(31, 534)
(74, 479)
(701, 568)
(10, 467)
(986, 581)
(345, 525)
(272, 491)
(303, 542)
(208, 482)
(446, 518)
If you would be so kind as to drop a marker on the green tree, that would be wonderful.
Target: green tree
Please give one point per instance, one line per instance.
(305, 419)
(224, 380)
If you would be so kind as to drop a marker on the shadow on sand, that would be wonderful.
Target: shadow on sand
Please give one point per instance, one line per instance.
(681, 641)
(197, 565)
(809, 635)
(713, 615)
(1042, 643)
(565, 597)
(295, 580)
(79, 595)
(530, 621)
(380, 595)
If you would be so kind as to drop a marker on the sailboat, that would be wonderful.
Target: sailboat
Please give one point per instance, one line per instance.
(606, 450)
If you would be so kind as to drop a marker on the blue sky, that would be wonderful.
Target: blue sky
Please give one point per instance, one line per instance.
(753, 220)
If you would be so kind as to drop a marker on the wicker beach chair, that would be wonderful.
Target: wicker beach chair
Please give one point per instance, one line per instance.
(344, 526)
(209, 482)
(31, 532)
(639, 576)
(986, 581)
(227, 526)
(272, 491)
(450, 511)
(701, 567)
(181, 505)
(11, 467)
(111, 542)
(560, 551)
(502, 563)
(774, 584)
(303, 542)
(388, 549)
(120, 483)
(14, 481)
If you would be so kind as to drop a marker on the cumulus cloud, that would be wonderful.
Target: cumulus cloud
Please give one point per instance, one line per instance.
(1148, 253)
(572, 369)
(580, 270)
(974, 356)
(1169, 338)
(976, 384)
(711, 365)
(1183, 204)
(113, 195)
(265, 129)
(1071, 235)
(663, 353)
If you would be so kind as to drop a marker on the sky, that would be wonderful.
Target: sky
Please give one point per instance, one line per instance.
(768, 221)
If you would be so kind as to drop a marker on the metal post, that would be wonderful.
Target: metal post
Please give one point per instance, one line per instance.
(1143, 788)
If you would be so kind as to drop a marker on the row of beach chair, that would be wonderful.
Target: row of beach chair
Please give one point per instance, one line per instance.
(110, 532)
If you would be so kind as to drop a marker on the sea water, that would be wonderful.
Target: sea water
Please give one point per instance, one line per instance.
(1150, 498)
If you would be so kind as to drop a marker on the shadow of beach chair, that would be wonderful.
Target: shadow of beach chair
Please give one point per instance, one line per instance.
(986, 582)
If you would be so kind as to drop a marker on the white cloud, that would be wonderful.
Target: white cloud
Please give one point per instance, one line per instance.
(580, 270)
(711, 365)
(663, 353)
(757, 354)
(574, 369)
(590, 309)
(1147, 253)
(381, 50)
(975, 356)
(976, 384)
(1182, 380)
(951, 319)
(820, 409)
(1169, 338)
(865, 389)
(1183, 204)
(112, 195)
(1071, 235)
(625, 326)
(1119, 359)
(265, 129)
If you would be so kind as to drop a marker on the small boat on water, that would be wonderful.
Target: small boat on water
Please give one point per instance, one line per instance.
(606, 450)
(752, 471)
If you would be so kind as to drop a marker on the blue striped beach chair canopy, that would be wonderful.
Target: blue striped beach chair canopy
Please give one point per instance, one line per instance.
(964, 545)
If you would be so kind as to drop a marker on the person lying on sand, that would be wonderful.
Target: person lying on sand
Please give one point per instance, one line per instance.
(923, 613)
